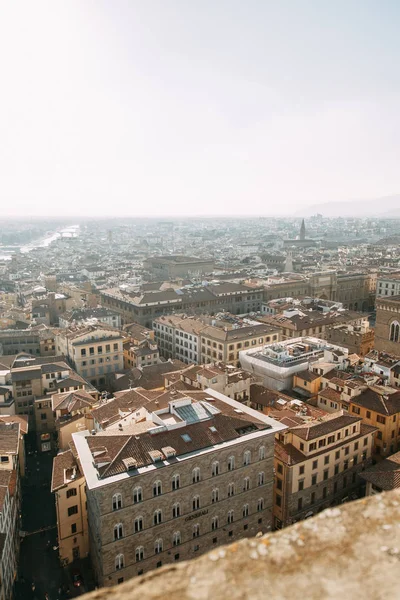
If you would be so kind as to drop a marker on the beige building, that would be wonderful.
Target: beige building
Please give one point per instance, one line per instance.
(188, 476)
(94, 351)
(69, 488)
(318, 465)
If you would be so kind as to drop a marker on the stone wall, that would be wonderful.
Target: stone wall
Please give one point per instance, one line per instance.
(351, 551)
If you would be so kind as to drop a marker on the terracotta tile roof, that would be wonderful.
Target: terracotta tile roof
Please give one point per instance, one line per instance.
(62, 464)
(318, 429)
(21, 419)
(9, 438)
(384, 404)
(386, 474)
(330, 394)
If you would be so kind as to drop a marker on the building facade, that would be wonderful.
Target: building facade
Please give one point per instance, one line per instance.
(387, 326)
(175, 498)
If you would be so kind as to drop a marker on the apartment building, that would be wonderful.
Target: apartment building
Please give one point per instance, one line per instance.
(69, 488)
(81, 316)
(10, 505)
(37, 341)
(94, 351)
(145, 306)
(384, 476)
(388, 284)
(318, 464)
(379, 406)
(197, 340)
(170, 267)
(226, 379)
(187, 476)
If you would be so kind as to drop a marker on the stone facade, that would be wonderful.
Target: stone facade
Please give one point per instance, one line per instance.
(257, 498)
(387, 313)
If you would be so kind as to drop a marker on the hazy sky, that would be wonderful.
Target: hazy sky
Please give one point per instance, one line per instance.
(166, 107)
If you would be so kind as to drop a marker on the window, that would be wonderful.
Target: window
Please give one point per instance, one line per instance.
(71, 492)
(214, 523)
(301, 485)
(73, 510)
(246, 484)
(261, 453)
(326, 460)
(157, 488)
(280, 468)
(261, 478)
(246, 458)
(214, 495)
(313, 446)
(331, 439)
(73, 528)
(381, 419)
(278, 500)
(119, 562)
(43, 416)
(215, 468)
(355, 410)
(337, 455)
(314, 480)
(176, 510)
(196, 502)
(315, 464)
(176, 538)
(245, 510)
(158, 546)
(137, 495)
(116, 501)
(231, 463)
(231, 489)
(368, 414)
(138, 524)
(326, 474)
(175, 482)
(196, 530)
(139, 553)
(118, 531)
(260, 504)
(157, 517)
(196, 475)
(336, 469)
(230, 517)
(394, 332)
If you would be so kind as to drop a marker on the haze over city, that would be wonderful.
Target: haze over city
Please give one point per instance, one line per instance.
(179, 108)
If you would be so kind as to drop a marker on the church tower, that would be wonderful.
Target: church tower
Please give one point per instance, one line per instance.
(303, 231)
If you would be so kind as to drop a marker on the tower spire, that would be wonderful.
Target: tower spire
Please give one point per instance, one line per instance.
(303, 230)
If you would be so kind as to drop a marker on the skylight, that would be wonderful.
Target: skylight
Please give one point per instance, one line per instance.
(186, 437)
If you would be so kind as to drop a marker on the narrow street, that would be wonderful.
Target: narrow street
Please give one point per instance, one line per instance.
(40, 572)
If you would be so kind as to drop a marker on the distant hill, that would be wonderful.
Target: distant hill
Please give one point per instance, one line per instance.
(385, 207)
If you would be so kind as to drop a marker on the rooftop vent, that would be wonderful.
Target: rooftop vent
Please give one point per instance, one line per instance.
(168, 451)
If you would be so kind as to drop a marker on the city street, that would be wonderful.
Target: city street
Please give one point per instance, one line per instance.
(40, 572)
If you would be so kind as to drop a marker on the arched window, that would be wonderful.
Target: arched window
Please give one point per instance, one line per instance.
(214, 523)
(215, 468)
(158, 546)
(395, 331)
(119, 561)
(138, 524)
(176, 510)
(260, 504)
(261, 478)
(196, 530)
(157, 518)
(231, 463)
(246, 484)
(139, 553)
(261, 453)
(215, 495)
(196, 502)
(230, 516)
(118, 531)
(176, 538)
(247, 457)
(231, 489)
(137, 495)
(196, 475)
(116, 501)
(157, 488)
(246, 510)
(175, 482)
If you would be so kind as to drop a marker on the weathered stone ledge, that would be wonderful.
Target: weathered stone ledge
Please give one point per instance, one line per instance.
(351, 551)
